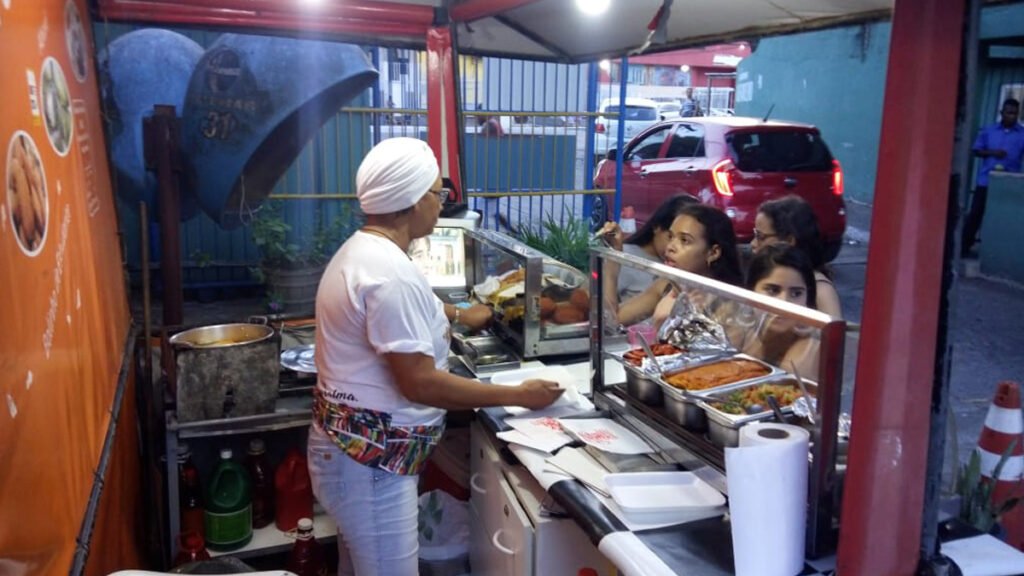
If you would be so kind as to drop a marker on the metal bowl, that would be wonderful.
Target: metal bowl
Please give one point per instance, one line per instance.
(222, 336)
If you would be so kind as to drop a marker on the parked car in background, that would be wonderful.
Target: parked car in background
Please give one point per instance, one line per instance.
(638, 113)
(735, 164)
(669, 110)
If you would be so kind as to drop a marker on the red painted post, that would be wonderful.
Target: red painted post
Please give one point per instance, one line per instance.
(444, 130)
(882, 506)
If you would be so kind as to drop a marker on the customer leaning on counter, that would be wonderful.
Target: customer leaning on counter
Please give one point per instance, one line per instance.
(382, 342)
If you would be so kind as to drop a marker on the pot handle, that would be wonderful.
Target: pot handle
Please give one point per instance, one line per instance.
(261, 320)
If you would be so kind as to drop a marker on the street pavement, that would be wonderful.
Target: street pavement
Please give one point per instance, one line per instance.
(986, 332)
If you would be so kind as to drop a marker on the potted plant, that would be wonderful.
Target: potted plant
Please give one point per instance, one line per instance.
(978, 506)
(290, 264)
(567, 241)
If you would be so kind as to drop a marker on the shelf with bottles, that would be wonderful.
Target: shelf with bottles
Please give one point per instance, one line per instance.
(289, 412)
(269, 539)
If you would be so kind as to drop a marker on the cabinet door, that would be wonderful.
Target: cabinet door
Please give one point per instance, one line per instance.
(484, 468)
(512, 538)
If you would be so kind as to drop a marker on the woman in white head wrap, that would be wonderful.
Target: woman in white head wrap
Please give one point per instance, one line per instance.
(382, 340)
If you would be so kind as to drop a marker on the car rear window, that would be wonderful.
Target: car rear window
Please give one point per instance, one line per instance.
(635, 113)
(779, 151)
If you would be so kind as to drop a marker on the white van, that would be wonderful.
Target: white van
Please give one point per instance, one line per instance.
(639, 113)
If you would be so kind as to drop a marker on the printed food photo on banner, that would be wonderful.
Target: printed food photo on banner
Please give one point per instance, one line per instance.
(74, 35)
(57, 106)
(27, 204)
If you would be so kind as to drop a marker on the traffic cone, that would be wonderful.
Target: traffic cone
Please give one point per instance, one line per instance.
(1003, 425)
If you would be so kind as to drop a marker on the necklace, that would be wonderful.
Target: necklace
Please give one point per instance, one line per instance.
(382, 233)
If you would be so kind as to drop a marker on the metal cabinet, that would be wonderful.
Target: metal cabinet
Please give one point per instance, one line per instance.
(288, 422)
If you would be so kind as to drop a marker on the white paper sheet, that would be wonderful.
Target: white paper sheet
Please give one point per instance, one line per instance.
(605, 434)
(767, 479)
(544, 433)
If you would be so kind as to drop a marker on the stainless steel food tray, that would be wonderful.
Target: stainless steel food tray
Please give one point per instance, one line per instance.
(724, 427)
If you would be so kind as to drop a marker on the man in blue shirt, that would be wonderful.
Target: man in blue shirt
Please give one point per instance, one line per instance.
(1000, 146)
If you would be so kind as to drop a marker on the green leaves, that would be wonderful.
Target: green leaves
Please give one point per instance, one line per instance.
(567, 241)
(977, 505)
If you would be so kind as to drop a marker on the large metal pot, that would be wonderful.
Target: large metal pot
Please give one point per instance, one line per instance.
(225, 371)
(222, 336)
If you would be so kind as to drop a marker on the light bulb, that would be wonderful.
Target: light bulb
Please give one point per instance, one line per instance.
(593, 7)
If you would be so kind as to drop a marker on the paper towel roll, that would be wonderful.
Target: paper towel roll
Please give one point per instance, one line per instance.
(767, 480)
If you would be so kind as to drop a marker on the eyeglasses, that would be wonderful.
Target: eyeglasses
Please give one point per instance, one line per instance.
(442, 194)
(761, 236)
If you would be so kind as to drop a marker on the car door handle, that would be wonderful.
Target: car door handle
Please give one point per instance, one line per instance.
(691, 168)
(644, 173)
(789, 182)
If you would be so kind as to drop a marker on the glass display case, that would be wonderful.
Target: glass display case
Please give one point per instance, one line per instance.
(542, 306)
(726, 357)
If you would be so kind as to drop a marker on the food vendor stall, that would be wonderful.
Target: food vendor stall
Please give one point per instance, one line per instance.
(903, 346)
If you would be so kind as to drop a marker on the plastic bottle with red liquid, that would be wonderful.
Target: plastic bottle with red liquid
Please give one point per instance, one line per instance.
(306, 557)
(262, 477)
(293, 491)
(190, 493)
(191, 548)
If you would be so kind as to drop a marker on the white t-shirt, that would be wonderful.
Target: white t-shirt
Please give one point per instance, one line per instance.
(632, 281)
(373, 300)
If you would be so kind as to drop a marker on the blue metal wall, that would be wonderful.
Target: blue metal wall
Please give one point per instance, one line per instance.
(833, 79)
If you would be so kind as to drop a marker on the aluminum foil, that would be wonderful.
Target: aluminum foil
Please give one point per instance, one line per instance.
(693, 331)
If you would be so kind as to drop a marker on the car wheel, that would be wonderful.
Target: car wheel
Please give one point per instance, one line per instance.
(598, 212)
(831, 249)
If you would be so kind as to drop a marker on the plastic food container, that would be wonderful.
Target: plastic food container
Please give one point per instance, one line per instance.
(647, 495)
(724, 427)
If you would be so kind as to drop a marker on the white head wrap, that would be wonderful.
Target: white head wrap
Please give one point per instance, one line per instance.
(394, 175)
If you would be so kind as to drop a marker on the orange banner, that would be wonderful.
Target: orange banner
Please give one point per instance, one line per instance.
(65, 313)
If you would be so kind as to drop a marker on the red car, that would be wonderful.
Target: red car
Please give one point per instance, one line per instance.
(732, 163)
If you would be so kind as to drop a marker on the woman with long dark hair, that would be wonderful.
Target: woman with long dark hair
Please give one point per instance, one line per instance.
(784, 272)
(702, 241)
(649, 243)
(790, 220)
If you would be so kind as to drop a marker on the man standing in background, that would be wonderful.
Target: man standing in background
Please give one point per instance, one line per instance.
(1000, 146)
(690, 106)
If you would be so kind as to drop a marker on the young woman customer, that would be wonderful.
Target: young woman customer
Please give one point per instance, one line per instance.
(784, 272)
(649, 243)
(701, 241)
(790, 220)
(383, 387)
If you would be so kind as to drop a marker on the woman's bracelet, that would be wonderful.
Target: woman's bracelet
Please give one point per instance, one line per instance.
(458, 315)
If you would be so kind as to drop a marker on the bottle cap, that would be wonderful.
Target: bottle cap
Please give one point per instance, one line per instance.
(305, 524)
(225, 453)
(257, 447)
(184, 452)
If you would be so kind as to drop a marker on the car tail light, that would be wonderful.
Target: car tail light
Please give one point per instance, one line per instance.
(599, 128)
(721, 175)
(837, 178)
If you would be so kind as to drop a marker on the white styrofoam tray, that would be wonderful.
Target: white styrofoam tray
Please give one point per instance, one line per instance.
(661, 492)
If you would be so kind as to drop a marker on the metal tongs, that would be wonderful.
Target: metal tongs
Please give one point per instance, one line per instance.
(811, 403)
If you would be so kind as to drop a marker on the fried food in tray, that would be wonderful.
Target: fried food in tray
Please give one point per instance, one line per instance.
(636, 355)
(717, 374)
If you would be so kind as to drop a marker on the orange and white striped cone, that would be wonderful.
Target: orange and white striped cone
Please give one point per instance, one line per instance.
(1004, 424)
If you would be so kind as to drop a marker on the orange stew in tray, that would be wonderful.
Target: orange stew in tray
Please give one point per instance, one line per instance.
(636, 355)
(785, 394)
(717, 374)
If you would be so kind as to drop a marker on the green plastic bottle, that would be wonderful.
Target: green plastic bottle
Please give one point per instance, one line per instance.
(228, 514)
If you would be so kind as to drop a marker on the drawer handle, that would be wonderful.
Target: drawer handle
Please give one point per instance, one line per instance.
(494, 540)
(472, 483)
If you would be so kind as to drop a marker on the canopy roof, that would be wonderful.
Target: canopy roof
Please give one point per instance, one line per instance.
(530, 29)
